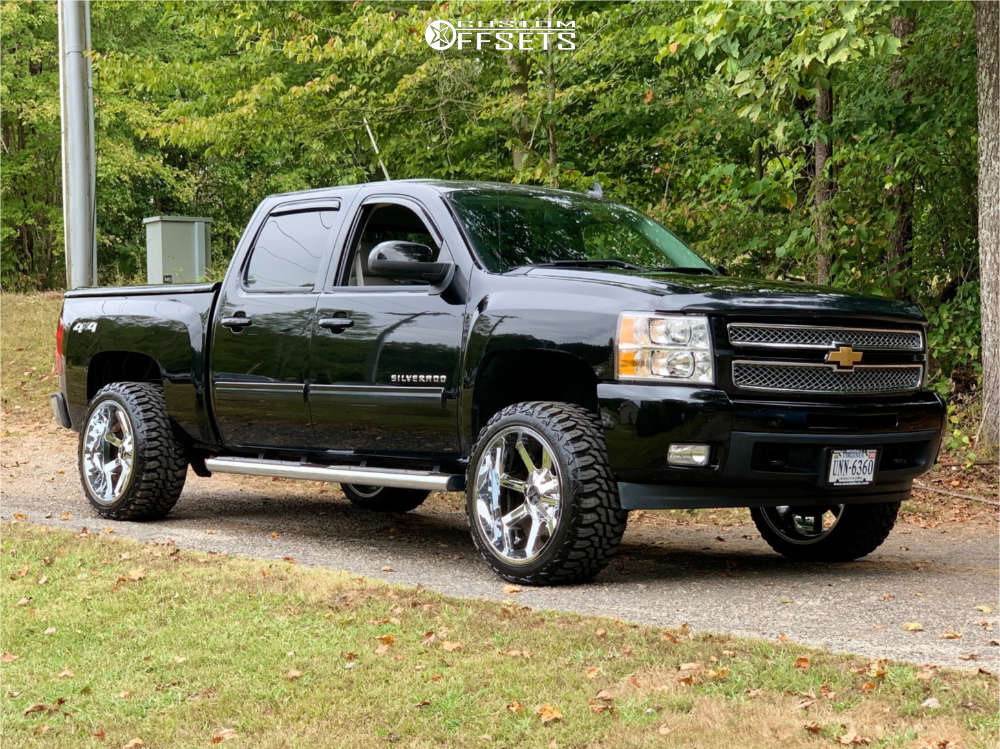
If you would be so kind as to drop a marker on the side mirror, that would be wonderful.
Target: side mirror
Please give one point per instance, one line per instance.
(396, 259)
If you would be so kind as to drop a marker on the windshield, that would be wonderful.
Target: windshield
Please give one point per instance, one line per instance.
(509, 229)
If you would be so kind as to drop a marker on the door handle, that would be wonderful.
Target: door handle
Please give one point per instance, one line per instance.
(236, 323)
(336, 324)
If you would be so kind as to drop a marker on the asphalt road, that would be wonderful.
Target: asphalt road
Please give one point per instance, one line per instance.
(720, 579)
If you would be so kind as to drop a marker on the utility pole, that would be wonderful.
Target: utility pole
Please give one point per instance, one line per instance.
(76, 99)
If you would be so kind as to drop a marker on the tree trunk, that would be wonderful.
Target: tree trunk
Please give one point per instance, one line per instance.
(988, 53)
(520, 67)
(901, 195)
(821, 185)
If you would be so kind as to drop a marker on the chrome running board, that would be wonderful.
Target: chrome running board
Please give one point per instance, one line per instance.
(362, 475)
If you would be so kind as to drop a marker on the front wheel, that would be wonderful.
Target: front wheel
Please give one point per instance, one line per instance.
(384, 498)
(541, 500)
(832, 533)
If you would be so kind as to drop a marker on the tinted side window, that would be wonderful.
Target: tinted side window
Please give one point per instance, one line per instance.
(289, 250)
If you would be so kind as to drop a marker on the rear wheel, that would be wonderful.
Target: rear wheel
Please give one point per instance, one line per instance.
(132, 466)
(831, 533)
(384, 498)
(542, 504)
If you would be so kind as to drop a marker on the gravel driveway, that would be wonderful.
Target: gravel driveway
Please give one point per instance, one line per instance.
(720, 579)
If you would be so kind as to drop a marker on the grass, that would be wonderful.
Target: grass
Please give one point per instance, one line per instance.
(174, 647)
(27, 351)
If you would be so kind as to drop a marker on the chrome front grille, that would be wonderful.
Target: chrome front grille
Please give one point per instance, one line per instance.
(823, 378)
(814, 336)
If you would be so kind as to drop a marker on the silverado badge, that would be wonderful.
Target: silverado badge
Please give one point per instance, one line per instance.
(844, 357)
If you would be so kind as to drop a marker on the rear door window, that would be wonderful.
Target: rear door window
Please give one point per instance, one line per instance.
(290, 250)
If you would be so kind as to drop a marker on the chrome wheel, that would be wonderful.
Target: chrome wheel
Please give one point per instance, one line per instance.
(800, 525)
(367, 492)
(518, 494)
(108, 452)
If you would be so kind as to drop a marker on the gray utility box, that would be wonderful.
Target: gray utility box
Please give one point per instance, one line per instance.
(178, 248)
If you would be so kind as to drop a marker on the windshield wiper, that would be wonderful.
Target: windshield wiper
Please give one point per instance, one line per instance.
(601, 263)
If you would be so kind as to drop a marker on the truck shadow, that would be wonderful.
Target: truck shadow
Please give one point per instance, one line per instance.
(439, 535)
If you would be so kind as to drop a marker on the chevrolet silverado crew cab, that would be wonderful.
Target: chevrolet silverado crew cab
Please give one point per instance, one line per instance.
(561, 358)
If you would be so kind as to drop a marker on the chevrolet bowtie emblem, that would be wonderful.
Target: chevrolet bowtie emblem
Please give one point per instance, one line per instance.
(844, 357)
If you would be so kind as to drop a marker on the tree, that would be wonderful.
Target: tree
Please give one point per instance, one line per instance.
(988, 47)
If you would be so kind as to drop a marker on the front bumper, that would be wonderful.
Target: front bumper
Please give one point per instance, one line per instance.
(763, 452)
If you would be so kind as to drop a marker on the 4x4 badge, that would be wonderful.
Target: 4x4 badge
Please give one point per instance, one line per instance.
(844, 357)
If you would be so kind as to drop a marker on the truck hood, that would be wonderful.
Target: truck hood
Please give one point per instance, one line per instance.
(727, 295)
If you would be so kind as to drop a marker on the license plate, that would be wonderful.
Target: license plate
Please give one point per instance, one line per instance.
(852, 467)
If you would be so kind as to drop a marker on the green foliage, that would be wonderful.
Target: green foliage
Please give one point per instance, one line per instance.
(701, 114)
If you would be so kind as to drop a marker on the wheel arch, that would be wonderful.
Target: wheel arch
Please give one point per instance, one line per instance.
(516, 375)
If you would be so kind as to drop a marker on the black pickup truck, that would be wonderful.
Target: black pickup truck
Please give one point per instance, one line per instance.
(562, 358)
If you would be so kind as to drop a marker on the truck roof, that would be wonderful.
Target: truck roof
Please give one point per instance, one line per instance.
(440, 185)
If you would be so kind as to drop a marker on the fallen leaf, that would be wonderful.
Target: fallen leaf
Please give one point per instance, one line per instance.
(68, 516)
(693, 666)
(387, 568)
(49, 631)
(671, 638)
(44, 728)
(515, 707)
(806, 703)
(43, 580)
(755, 693)
(913, 626)
(451, 647)
(592, 673)
(930, 703)
(983, 609)
(664, 729)
(65, 674)
(813, 727)
(382, 649)
(605, 696)
(868, 686)
(422, 703)
(20, 516)
(601, 633)
(599, 707)
(510, 589)
(23, 601)
(802, 663)
(125, 695)
(38, 707)
(134, 744)
(224, 735)
(951, 636)
(292, 674)
(9, 658)
(99, 734)
(386, 639)
(428, 638)
(851, 738)
(925, 674)
(515, 653)
(548, 713)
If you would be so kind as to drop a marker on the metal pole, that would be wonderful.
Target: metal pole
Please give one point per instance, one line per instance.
(77, 105)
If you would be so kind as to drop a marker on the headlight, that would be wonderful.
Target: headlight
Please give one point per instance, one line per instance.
(665, 348)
